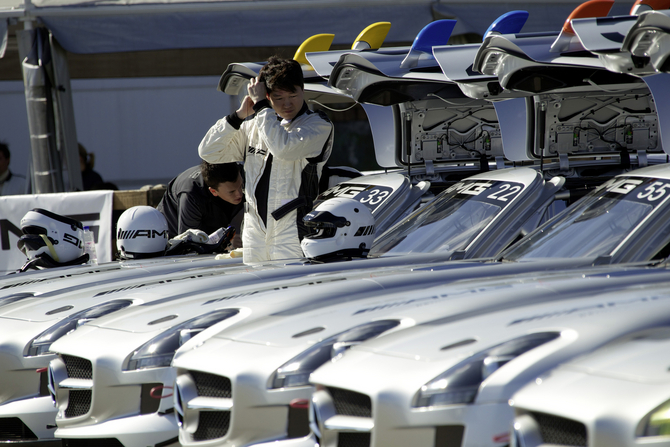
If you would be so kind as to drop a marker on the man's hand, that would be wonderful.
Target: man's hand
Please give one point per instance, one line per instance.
(246, 108)
(256, 89)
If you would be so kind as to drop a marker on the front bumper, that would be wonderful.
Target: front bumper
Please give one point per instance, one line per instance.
(307, 441)
(135, 431)
(37, 415)
(389, 421)
(237, 410)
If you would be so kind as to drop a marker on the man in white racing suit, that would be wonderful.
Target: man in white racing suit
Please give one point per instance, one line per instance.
(284, 147)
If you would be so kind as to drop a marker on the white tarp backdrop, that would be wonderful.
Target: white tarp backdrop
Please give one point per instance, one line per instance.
(92, 208)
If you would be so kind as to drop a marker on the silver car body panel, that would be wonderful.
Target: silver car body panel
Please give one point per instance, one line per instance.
(605, 398)
(418, 355)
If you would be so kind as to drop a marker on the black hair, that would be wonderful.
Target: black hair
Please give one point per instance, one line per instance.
(89, 157)
(215, 174)
(4, 148)
(282, 74)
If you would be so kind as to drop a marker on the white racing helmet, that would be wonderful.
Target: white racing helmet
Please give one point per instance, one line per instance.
(345, 228)
(55, 239)
(141, 232)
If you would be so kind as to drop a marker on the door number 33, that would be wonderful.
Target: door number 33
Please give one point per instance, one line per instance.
(374, 197)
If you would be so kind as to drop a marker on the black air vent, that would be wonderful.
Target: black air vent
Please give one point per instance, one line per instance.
(560, 431)
(211, 385)
(162, 320)
(59, 310)
(351, 403)
(77, 367)
(353, 440)
(79, 403)
(308, 332)
(458, 344)
(212, 425)
(13, 429)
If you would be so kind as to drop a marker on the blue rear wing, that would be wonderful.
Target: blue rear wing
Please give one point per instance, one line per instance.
(433, 34)
(508, 23)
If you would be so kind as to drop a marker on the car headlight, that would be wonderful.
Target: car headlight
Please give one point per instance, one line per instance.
(158, 351)
(40, 345)
(460, 384)
(296, 371)
(657, 423)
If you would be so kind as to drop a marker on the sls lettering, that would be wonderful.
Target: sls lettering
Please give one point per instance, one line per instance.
(133, 234)
(70, 239)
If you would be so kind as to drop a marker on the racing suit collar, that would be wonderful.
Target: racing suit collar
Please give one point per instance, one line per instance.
(302, 111)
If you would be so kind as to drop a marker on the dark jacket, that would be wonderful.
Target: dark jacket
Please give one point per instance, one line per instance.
(188, 204)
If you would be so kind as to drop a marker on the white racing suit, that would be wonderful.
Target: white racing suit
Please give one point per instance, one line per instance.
(283, 161)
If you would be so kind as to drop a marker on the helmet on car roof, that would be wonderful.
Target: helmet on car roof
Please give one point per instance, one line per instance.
(56, 239)
(141, 232)
(345, 228)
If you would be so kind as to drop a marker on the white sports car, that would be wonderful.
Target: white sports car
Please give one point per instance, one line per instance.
(611, 225)
(448, 382)
(449, 148)
(617, 396)
(616, 244)
(32, 324)
(265, 365)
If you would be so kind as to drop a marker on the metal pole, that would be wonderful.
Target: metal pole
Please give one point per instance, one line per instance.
(34, 53)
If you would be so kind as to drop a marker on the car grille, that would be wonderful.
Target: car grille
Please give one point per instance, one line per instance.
(350, 403)
(211, 385)
(353, 440)
(77, 367)
(560, 431)
(13, 429)
(79, 403)
(212, 425)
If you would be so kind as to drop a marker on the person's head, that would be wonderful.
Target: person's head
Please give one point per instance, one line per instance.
(4, 157)
(86, 160)
(224, 180)
(285, 86)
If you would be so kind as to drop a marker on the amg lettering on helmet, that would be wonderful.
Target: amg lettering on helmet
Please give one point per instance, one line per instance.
(133, 234)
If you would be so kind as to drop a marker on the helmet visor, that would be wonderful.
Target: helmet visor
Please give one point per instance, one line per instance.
(30, 244)
(324, 219)
(34, 229)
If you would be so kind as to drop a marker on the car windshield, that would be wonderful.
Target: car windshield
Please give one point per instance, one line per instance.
(598, 225)
(451, 221)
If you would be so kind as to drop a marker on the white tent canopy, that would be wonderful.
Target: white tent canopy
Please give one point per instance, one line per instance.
(108, 26)
(101, 26)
